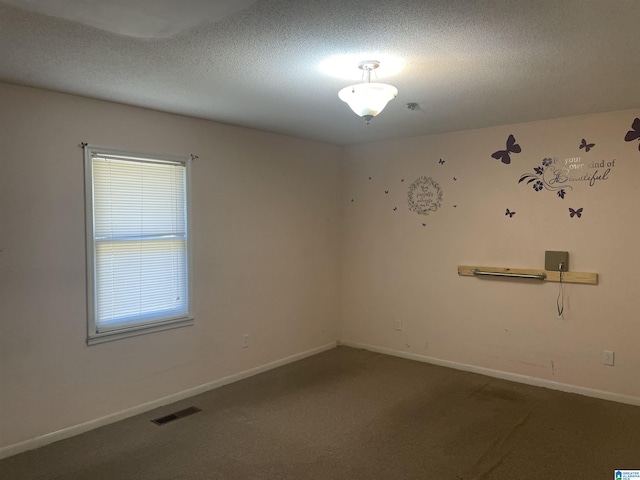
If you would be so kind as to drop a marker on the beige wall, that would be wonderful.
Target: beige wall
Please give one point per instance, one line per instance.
(394, 268)
(297, 247)
(265, 236)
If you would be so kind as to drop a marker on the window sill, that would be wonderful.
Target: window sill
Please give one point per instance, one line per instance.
(112, 335)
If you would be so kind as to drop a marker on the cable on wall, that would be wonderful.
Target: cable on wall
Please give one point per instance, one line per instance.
(560, 299)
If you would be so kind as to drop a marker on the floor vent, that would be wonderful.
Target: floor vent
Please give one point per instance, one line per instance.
(175, 416)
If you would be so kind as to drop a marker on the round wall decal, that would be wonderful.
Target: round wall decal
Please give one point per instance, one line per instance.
(424, 196)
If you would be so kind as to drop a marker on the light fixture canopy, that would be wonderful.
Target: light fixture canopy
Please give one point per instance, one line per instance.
(368, 99)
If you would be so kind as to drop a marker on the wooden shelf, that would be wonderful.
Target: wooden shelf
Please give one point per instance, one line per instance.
(551, 276)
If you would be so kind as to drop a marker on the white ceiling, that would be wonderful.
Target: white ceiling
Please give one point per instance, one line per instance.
(467, 63)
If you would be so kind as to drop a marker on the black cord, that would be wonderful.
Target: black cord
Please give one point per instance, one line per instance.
(560, 299)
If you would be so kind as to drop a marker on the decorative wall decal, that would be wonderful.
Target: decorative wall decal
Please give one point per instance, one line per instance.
(454, 179)
(386, 192)
(395, 209)
(441, 162)
(402, 180)
(510, 213)
(424, 224)
(424, 196)
(586, 146)
(548, 176)
(577, 212)
(556, 174)
(504, 155)
(634, 134)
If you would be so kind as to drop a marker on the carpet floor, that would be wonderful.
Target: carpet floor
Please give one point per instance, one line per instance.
(353, 414)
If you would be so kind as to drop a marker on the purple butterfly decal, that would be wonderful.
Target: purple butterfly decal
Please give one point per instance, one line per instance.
(635, 133)
(504, 155)
(573, 212)
(561, 193)
(511, 214)
(586, 146)
(441, 161)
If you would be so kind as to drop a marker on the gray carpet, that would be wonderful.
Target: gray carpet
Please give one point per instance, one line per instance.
(353, 414)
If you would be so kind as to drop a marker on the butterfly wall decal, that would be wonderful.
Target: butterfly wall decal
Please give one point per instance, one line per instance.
(395, 209)
(586, 146)
(386, 192)
(577, 212)
(510, 213)
(505, 155)
(441, 162)
(634, 134)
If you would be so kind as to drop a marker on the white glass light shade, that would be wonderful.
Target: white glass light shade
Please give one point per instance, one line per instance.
(368, 99)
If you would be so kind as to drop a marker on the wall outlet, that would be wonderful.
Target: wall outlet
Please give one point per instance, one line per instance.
(607, 358)
(398, 325)
(245, 341)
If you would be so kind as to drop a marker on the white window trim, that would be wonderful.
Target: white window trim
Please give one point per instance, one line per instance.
(93, 335)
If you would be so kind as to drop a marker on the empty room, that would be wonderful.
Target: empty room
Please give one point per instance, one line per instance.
(319, 239)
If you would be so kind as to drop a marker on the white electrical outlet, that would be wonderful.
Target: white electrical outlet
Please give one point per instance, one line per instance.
(398, 325)
(608, 358)
(245, 341)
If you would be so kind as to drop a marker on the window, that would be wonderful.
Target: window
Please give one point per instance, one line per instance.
(137, 226)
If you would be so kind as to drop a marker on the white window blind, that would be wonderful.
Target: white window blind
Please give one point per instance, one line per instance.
(139, 275)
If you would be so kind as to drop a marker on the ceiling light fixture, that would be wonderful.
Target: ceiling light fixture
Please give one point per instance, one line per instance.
(368, 99)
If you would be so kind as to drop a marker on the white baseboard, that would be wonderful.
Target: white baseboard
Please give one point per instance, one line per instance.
(145, 407)
(514, 377)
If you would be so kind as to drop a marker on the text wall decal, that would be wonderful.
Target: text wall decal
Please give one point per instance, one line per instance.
(424, 196)
(558, 174)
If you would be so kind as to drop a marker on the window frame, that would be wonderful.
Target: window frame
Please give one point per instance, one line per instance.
(94, 336)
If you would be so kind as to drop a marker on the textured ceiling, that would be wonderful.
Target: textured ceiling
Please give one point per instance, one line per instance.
(468, 64)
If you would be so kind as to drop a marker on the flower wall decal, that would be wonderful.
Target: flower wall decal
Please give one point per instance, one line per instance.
(548, 177)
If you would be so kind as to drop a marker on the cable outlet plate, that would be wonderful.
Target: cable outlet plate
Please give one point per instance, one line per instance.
(552, 261)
